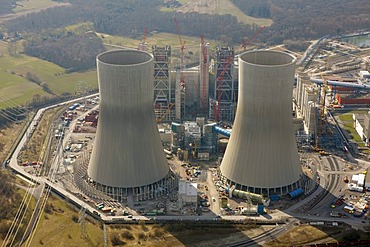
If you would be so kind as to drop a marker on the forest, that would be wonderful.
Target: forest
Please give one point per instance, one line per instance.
(293, 19)
(74, 52)
(6, 6)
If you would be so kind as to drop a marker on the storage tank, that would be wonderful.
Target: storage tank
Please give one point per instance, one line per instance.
(262, 155)
(127, 157)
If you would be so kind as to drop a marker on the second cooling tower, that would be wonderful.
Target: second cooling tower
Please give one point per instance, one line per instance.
(262, 155)
(127, 156)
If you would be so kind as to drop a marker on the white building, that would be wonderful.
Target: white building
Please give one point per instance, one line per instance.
(362, 126)
(188, 193)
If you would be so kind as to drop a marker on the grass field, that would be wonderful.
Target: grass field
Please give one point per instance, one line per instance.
(57, 228)
(301, 235)
(16, 88)
(229, 8)
(222, 7)
(33, 4)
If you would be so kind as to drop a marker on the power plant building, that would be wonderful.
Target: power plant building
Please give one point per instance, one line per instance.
(127, 157)
(262, 155)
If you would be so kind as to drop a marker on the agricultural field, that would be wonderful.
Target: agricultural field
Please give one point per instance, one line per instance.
(15, 87)
(222, 7)
(26, 5)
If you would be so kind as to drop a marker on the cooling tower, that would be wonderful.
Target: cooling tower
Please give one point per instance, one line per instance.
(262, 155)
(127, 157)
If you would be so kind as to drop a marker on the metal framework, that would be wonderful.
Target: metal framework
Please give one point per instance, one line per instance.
(204, 76)
(162, 83)
(224, 84)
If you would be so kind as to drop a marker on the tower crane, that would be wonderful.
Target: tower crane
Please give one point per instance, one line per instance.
(247, 42)
(182, 80)
(143, 45)
(144, 35)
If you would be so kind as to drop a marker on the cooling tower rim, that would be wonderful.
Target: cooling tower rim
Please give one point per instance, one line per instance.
(286, 58)
(141, 57)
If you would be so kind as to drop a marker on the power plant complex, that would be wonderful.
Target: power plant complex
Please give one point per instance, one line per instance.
(210, 132)
(127, 157)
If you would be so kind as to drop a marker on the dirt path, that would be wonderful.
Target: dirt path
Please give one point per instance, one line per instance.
(7, 17)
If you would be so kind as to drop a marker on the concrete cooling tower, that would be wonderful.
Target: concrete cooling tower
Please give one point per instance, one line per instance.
(127, 157)
(262, 155)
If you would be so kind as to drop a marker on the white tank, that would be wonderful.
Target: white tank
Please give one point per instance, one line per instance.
(262, 155)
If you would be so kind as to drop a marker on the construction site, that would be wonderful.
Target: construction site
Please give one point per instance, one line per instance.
(181, 140)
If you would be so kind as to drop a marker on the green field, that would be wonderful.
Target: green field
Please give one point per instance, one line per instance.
(219, 7)
(34, 4)
(14, 86)
(227, 7)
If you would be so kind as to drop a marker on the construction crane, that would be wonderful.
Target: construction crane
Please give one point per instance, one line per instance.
(143, 37)
(195, 150)
(247, 42)
(218, 85)
(204, 75)
(182, 80)
(158, 120)
(143, 45)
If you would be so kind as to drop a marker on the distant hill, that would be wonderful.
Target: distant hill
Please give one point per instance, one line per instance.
(291, 19)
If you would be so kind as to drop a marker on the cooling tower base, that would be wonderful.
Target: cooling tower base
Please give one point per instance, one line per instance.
(283, 190)
(91, 188)
(142, 193)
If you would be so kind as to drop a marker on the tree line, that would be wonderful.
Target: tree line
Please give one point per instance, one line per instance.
(74, 52)
(292, 19)
(301, 19)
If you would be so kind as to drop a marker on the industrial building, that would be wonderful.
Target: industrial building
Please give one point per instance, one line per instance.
(306, 97)
(196, 137)
(127, 157)
(221, 106)
(188, 194)
(362, 126)
(262, 155)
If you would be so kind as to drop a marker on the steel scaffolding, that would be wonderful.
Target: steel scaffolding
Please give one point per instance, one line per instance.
(162, 83)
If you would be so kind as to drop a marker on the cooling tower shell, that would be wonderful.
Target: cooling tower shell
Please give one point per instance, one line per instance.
(127, 150)
(262, 155)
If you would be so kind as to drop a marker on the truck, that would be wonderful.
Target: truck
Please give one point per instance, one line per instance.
(348, 209)
(106, 209)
